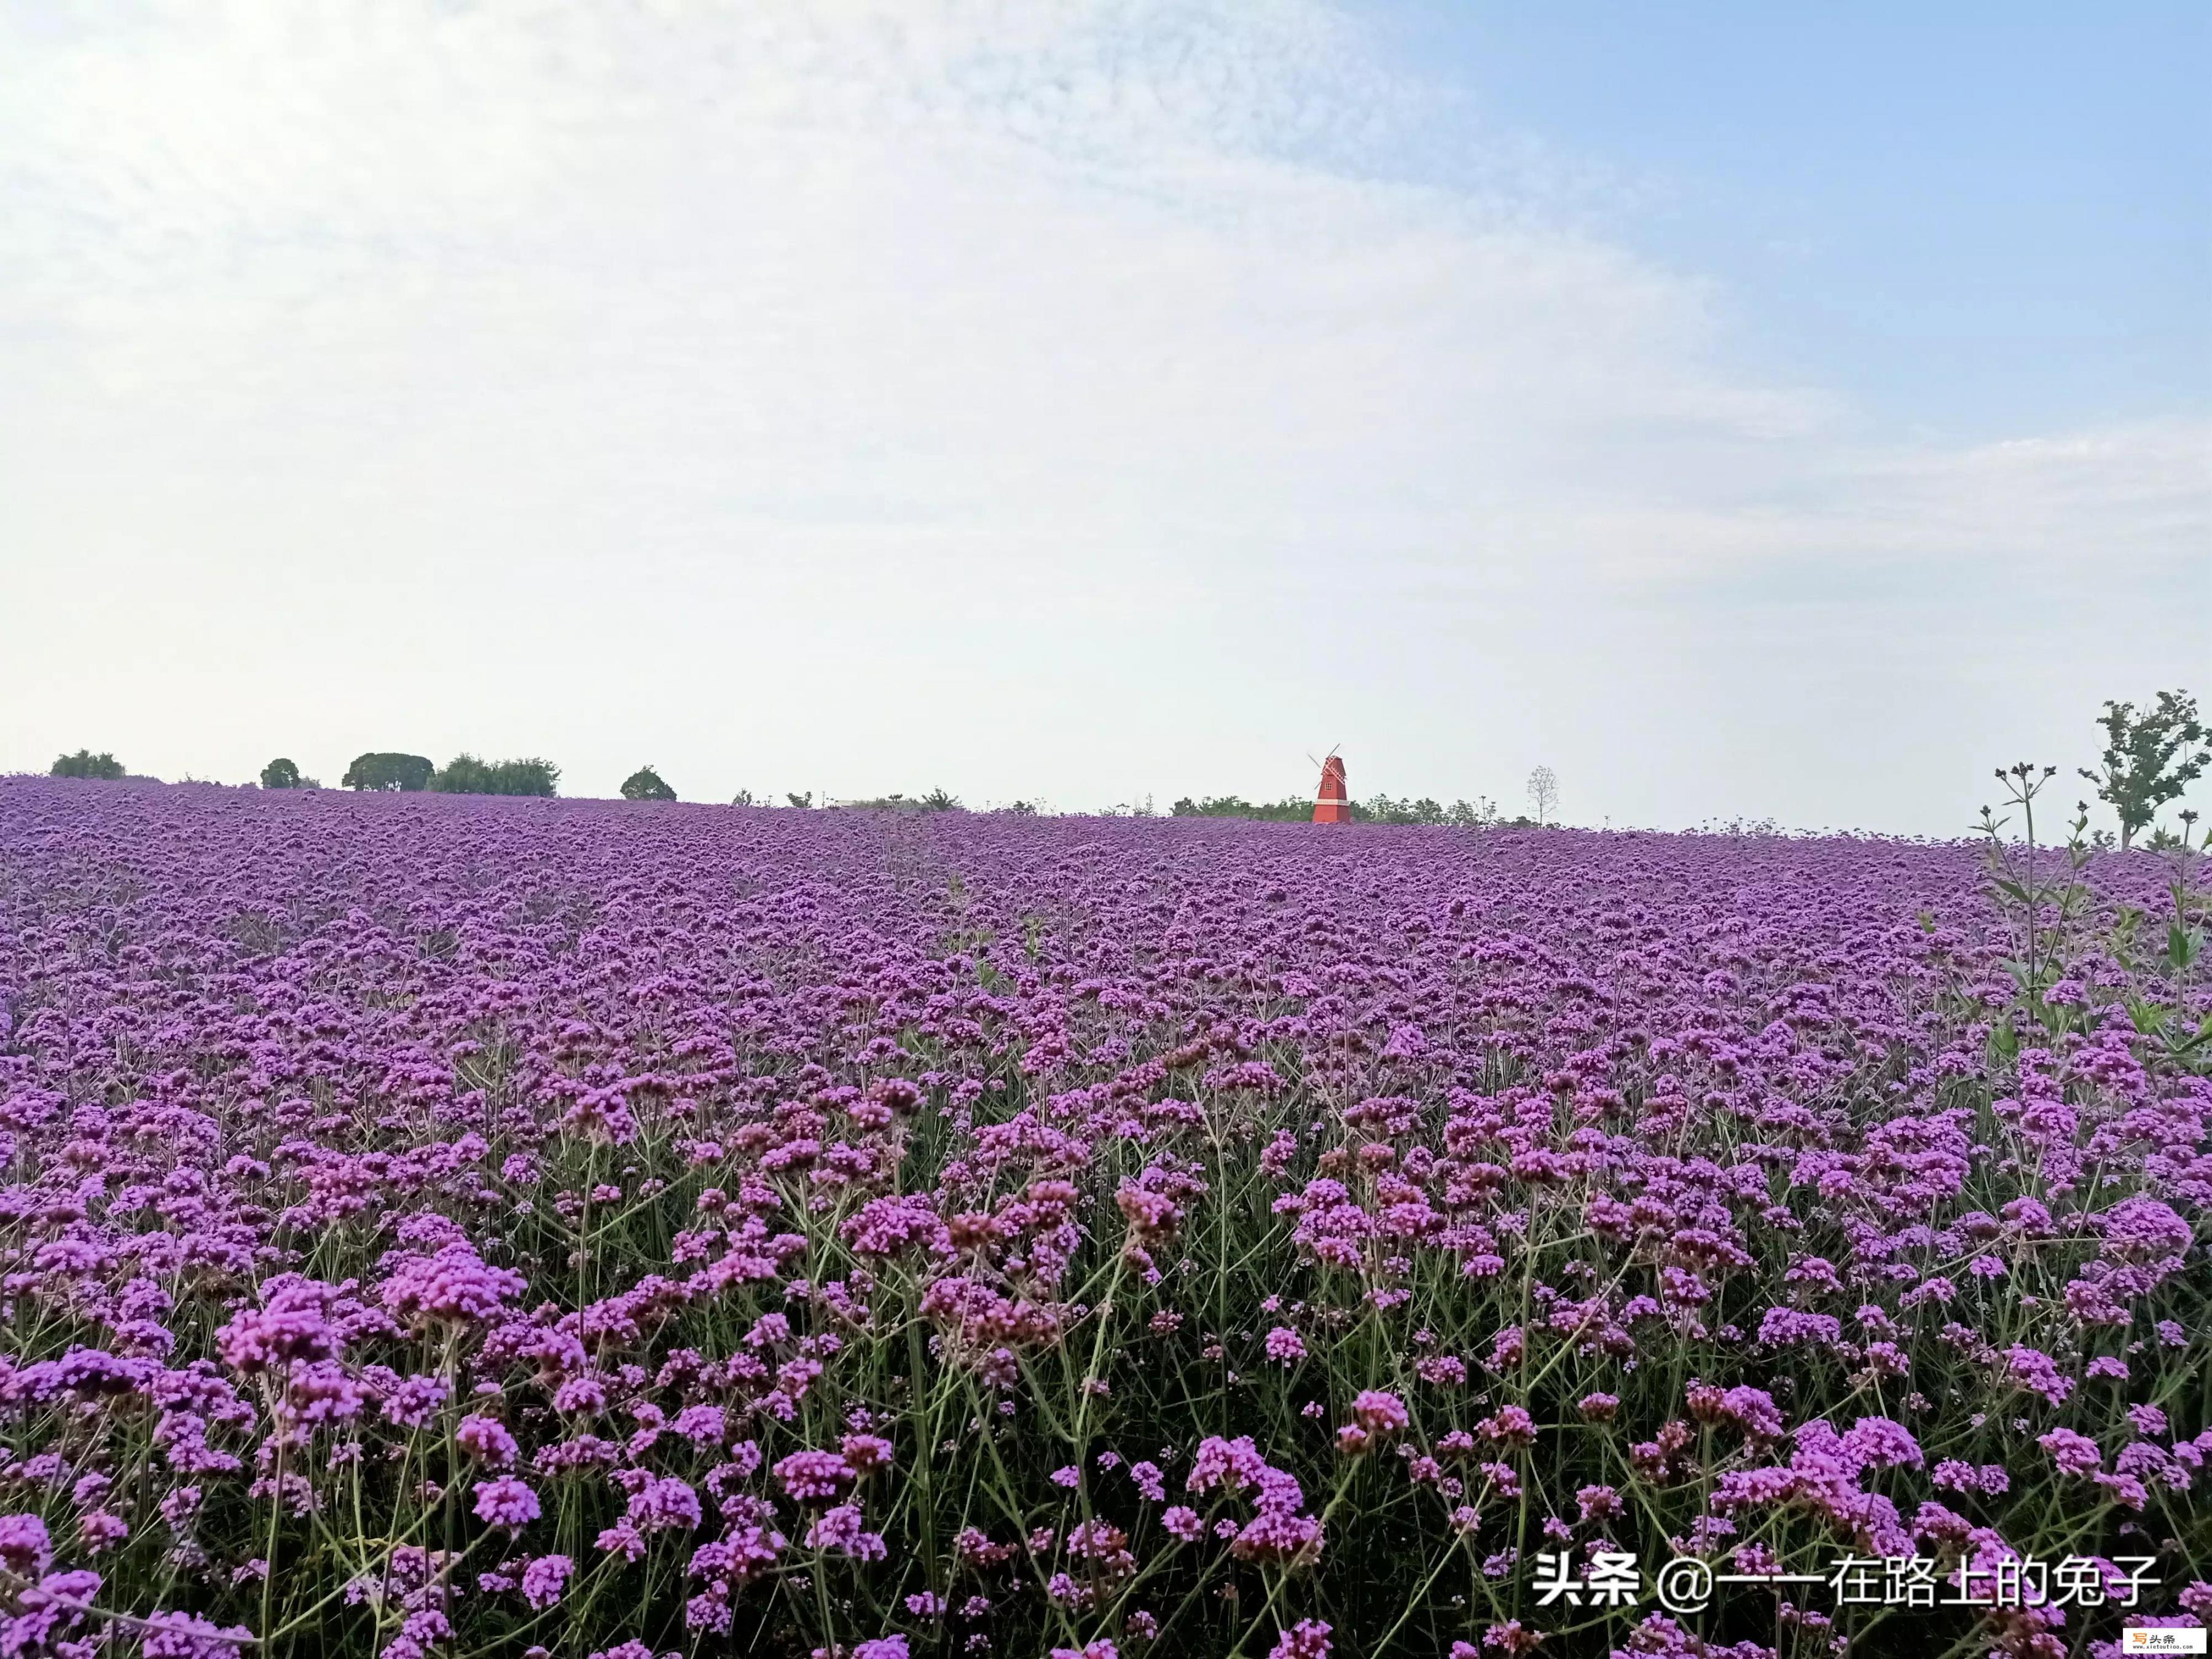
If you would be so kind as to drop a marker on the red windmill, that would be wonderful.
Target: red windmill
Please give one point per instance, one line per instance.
(1333, 804)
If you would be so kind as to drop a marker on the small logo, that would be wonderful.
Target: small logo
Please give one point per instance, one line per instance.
(2138, 1638)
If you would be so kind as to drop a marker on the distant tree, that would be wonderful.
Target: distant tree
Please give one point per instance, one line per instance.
(1544, 792)
(280, 773)
(646, 784)
(937, 800)
(1292, 810)
(743, 798)
(801, 801)
(533, 777)
(2148, 758)
(85, 764)
(465, 774)
(405, 773)
(1383, 809)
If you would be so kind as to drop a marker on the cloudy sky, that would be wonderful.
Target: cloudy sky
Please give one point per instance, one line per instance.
(1745, 412)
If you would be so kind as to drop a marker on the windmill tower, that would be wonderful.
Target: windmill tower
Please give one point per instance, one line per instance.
(1334, 803)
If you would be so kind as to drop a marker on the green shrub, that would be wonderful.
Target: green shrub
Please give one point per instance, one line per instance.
(465, 774)
(388, 771)
(937, 800)
(85, 764)
(1460, 814)
(644, 784)
(1291, 810)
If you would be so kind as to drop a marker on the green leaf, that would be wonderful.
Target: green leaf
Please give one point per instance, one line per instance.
(2148, 1017)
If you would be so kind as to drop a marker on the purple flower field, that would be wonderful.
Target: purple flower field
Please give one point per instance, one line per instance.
(458, 1226)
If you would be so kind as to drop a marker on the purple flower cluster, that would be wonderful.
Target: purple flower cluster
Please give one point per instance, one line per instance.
(436, 1224)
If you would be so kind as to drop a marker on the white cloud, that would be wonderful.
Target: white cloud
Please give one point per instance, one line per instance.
(1043, 399)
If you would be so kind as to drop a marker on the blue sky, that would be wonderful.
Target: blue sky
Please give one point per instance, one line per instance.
(1781, 411)
(1971, 217)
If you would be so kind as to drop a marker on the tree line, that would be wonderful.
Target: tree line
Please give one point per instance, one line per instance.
(1381, 808)
(2151, 755)
(464, 774)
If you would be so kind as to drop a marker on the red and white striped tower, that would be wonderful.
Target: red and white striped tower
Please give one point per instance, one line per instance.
(1333, 804)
